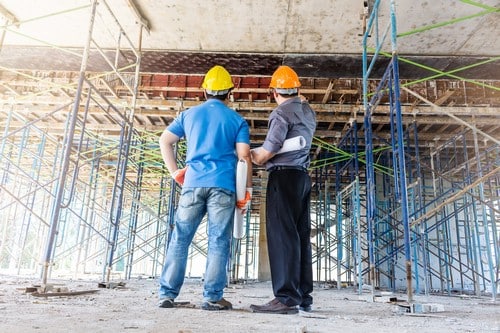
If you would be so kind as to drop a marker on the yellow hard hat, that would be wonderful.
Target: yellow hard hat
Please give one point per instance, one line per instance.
(217, 81)
(284, 78)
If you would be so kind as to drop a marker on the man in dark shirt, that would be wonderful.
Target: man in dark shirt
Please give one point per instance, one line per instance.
(288, 221)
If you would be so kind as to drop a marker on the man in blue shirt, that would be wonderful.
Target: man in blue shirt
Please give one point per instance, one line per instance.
(288, 221)
(217, 137)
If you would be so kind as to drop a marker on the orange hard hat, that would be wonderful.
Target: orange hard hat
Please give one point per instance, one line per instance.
(284, 78)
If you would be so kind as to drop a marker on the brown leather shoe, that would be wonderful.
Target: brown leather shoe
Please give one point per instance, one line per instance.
(274, 306)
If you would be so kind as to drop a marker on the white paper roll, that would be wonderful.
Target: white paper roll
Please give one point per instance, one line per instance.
(292, 144)
(239, 227)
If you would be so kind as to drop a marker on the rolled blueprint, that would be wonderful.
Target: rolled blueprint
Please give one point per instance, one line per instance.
(292, 144)
(239, 227)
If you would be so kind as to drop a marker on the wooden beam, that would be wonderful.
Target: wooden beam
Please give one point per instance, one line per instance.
(328, 92)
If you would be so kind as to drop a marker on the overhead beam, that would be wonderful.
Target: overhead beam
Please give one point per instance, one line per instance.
(444, 110)
(156, 106)
(257, 134)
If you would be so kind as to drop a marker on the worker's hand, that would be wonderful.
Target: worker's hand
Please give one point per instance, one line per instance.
(254, 155)
(244, 204)
(178, 175)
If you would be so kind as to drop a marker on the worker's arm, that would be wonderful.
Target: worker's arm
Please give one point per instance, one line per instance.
(167, 140)
(261, 155)
(243, 152)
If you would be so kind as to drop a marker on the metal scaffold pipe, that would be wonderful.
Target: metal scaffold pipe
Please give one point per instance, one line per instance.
(56, 206)
(396, 107)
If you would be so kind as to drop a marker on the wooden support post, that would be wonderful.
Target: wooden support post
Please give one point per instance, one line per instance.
(264, 273)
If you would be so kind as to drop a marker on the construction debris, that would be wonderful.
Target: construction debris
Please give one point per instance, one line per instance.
(111, 285)
(51, 290)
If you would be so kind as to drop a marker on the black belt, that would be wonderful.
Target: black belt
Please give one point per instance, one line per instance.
(287, 167)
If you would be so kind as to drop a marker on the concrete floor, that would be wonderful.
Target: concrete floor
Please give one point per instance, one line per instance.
(133, 308)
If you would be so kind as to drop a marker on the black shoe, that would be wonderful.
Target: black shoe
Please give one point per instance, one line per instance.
(166, 303)
(305, 308)
(274, 306)
(222, 304)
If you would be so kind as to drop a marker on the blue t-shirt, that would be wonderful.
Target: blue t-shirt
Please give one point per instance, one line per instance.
(211, 130)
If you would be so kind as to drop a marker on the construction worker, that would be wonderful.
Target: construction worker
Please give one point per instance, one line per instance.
(288, 222)
(213, 133)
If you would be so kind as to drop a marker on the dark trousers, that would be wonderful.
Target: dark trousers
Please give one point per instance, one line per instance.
(288, 227)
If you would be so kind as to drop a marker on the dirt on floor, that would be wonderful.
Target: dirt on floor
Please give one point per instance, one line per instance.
(131, 306)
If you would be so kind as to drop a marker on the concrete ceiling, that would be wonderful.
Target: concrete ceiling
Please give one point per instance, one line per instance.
(41, 55)
(320, 38)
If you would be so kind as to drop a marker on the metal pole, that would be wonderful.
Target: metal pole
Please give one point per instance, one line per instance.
(485, 222)
(56, 207)
(401, 156)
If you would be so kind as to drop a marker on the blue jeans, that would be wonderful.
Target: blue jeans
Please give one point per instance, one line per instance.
(194, 203)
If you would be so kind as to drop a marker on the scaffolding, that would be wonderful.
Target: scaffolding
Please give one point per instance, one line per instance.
(432, 222)
(88, 193)
(387, 212)
(78, 200)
